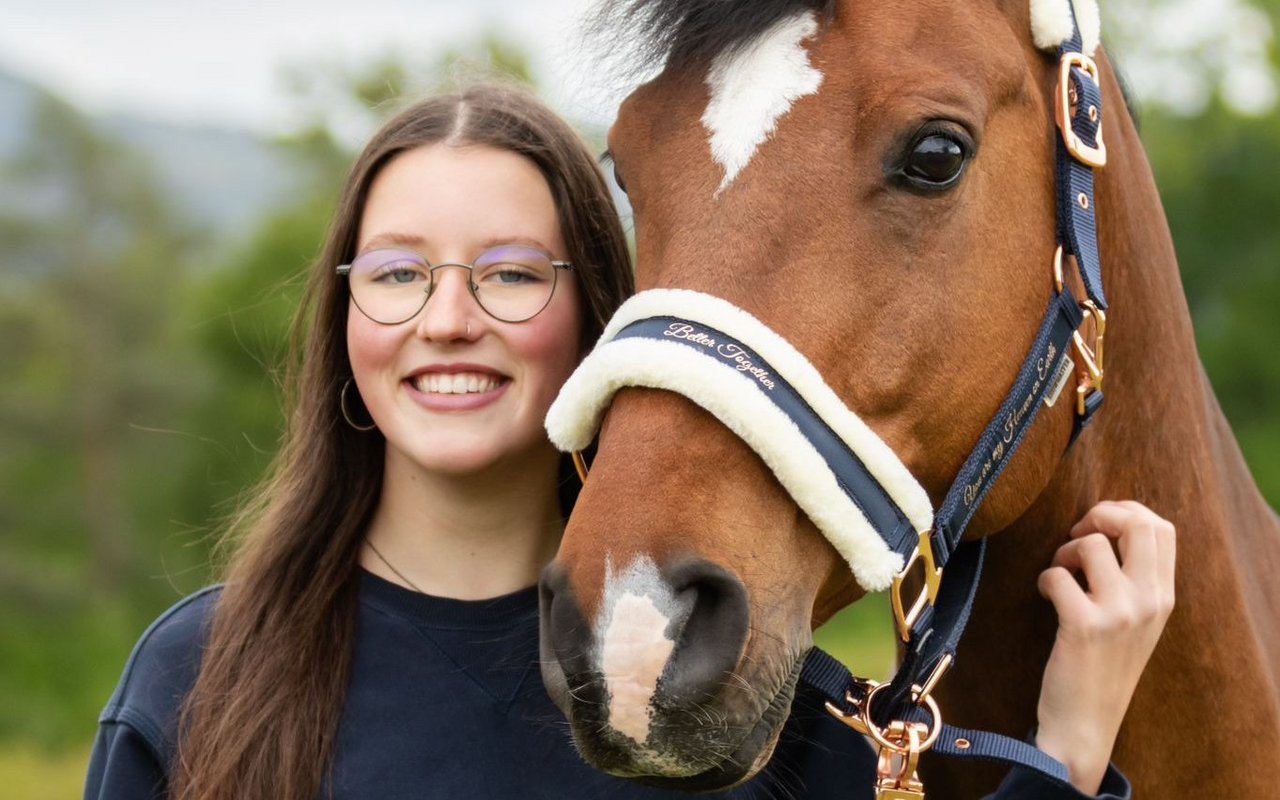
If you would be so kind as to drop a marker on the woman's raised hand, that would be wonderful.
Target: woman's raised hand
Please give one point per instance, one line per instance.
(1112, 587)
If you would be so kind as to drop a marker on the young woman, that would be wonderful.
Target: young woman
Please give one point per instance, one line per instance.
(376, 634)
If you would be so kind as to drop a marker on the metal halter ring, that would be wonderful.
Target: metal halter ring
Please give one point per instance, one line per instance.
(878, 735)
(580, 465)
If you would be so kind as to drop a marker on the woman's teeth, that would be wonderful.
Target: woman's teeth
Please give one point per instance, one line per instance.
(455, 383)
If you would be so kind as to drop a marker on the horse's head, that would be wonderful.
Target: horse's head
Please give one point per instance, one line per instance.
(874, 182)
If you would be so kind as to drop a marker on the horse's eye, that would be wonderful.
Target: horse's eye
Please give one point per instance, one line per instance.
(935, 161)
(617, 178)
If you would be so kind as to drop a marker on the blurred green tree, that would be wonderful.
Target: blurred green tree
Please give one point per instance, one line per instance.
(96, 261)
(1217, 177)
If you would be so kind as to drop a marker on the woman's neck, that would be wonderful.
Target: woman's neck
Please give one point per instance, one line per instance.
(469, 537)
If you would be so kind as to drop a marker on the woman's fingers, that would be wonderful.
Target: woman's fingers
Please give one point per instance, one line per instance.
(1092, 557)
(1060, 587)
(1132, 591)
(1146, 542)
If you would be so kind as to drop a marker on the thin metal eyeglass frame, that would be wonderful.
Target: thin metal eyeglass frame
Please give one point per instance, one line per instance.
(345, 271)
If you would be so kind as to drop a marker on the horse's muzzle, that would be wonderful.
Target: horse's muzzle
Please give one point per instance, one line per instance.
(649, 685)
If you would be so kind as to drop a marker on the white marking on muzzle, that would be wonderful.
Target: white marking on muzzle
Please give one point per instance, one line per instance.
(638, 610)
(634, 653)
(752, 86)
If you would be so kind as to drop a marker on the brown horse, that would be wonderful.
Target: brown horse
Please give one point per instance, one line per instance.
(874, 180)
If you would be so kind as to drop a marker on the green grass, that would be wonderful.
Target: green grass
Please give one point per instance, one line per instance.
(861, 637)
(29, 773)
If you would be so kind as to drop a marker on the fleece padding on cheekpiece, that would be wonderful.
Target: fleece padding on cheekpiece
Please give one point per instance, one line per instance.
(1051, 23)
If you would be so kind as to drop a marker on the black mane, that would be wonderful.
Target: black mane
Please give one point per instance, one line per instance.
(683, 33)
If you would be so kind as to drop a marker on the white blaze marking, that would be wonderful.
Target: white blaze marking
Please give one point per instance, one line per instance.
(753, 86)
(635, 652)
(638, 609)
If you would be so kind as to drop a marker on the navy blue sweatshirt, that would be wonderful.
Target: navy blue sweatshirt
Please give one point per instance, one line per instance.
(446, 701)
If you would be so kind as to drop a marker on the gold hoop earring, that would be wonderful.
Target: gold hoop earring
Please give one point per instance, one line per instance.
(342, 404)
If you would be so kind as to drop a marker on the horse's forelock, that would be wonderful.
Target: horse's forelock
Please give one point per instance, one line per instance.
(679, 33)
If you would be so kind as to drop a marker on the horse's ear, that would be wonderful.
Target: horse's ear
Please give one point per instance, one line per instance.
(1051, 23)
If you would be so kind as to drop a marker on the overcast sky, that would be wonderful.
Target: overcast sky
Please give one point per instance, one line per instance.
(220, 62)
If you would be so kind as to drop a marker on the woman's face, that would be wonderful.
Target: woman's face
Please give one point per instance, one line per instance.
(454, 390)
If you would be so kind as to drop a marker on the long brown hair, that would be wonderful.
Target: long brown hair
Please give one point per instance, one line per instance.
(263, 715)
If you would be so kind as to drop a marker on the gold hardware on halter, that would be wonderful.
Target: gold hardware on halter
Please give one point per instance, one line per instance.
(900, 743)
(1091, 356)
(580, 464)
(1057, 269)
(928, 595)
(855, 719)
(1095, 155)
(885, 737)
(896, 777)
(931, 683)
(859, 718)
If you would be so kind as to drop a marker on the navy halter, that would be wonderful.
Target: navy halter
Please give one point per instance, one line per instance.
(932, 623)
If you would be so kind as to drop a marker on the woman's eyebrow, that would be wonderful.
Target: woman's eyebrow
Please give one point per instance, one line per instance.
(527, 241)
(394, 239)
(420, 244)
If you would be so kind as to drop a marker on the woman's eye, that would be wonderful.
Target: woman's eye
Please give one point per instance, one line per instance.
(935, 161)
(507, 275)
(510, 276)
(400, 274)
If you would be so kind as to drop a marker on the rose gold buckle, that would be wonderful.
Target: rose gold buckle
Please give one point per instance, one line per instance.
(1094, 155)
(1091, 356)
(896, 777)
(900, 745)
(902, 617)
(853, 719)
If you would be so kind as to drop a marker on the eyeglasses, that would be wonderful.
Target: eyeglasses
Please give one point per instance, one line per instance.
(512, 283)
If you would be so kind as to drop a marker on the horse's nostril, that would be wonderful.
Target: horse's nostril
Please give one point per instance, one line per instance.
(565, 634)
(708, 648)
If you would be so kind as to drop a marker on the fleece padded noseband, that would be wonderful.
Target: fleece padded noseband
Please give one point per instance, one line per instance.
(849, 482)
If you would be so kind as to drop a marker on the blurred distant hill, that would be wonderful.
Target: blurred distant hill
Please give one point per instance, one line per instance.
(220, 179)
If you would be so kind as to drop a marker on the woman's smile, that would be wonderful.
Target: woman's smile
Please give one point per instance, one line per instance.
(456, 387)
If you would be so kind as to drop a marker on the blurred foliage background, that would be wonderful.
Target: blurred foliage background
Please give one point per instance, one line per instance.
(144, 324)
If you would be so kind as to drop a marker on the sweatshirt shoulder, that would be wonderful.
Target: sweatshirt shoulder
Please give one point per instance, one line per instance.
(162, 669)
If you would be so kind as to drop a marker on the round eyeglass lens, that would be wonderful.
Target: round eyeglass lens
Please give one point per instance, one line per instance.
(390, 286)
(513, 283)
